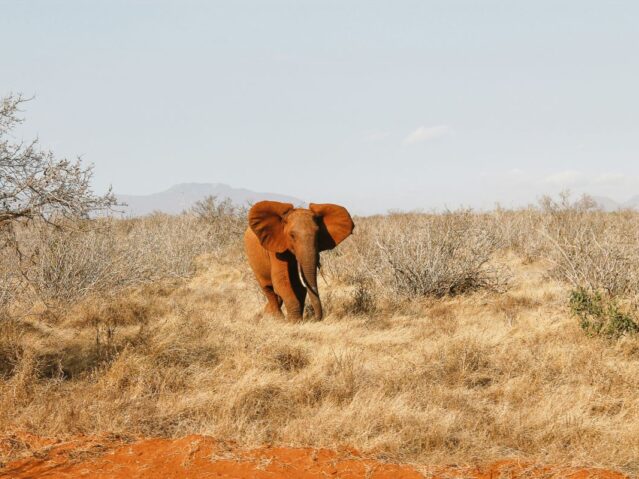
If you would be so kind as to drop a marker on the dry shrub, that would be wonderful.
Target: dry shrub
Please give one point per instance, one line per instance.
(588, 248)
(359, 299)
(362, 301)
(11, 284)
(597, 251)
(415, 255)
(11, 346)
(520, 232)
(526, 230)
(225, 215)
(70, 263)
(107, 255)
(439, 255)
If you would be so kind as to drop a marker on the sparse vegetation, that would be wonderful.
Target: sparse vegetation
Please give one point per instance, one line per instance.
(106, 256)
(445, 340)
(211, 209)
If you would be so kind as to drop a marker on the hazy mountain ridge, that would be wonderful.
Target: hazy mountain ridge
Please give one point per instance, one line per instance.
(608, 204)
(183, 196)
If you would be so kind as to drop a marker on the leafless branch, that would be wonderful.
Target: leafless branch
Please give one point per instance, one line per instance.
(34, 184)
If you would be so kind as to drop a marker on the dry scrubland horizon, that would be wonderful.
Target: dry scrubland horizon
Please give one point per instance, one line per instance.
(457, 337)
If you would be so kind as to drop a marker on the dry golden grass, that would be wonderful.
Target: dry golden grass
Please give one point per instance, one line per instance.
(487, 373)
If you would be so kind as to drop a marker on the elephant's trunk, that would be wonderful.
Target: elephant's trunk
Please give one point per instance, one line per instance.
(307, 269)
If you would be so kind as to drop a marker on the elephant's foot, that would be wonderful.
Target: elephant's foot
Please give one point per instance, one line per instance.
(274, 303)
(273, 312)
(294, 318)
(294, 313)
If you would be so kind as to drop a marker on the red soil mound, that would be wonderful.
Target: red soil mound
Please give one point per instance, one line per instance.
(198, 456)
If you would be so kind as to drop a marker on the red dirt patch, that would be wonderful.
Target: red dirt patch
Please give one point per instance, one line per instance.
(198, 456)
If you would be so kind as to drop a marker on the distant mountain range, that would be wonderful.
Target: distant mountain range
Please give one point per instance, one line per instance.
(608, 204)
(183, 196)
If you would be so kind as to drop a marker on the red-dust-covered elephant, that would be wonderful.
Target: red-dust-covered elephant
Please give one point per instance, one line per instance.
(283, 244)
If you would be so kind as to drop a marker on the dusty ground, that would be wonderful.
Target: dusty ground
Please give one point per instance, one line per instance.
(201, 456)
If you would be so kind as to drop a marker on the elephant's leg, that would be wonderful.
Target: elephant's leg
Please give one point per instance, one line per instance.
(285, 284)
(260, 263)
(294, 310)
(274, 304)
(294, 307)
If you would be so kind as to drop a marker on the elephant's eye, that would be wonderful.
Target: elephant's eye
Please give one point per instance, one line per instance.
(292, 235)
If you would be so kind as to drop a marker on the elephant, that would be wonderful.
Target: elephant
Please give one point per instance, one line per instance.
(283, 244)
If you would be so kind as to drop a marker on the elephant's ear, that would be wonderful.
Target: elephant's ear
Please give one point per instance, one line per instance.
(265, 219)
(335, 223)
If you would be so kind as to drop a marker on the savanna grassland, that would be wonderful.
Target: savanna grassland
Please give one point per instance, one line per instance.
(448, 338)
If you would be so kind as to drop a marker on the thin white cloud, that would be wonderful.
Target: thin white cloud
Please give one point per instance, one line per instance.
(427, 133)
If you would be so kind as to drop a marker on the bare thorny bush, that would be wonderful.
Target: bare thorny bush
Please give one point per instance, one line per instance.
(224, 213)
(415, 255)
(439, 255)
(592, 249)
(36, 184)
(105, 256)
(597, 254)
(35, 187)
(586, 247)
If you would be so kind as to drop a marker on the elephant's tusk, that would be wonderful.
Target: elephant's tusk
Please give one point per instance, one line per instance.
(301, 275)
(299, 272)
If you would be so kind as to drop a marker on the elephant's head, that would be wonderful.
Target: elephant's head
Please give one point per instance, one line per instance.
(304, 232)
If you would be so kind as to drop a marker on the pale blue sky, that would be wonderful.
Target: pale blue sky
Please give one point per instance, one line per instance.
(376, 105)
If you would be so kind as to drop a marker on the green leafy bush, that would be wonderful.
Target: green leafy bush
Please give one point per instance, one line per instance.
(601, 315)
